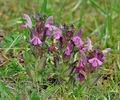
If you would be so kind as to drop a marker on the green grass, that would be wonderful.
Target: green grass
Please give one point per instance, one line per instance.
(20, 82)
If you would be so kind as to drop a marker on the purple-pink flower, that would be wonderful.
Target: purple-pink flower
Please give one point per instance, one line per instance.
(80, 66)
(79, 32)
(28, 23)
(88, 45)
(106, 50)
(49, 25)
(82, 63)
(96, 58)
(77, 41)
(68, 49)
(95, 62)
(57, 33)
(51, 29)
(49, 21)
(35, 40)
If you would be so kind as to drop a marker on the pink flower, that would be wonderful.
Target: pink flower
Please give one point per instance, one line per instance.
(77, 41)
(48, 32)
(79, 32)
(28, 23)
(83, 56)
(49, 21)
(51, 29)
(57, 33)
(80, 66)
(35, 41)
(106, 50)
(88, 45)
(96, 58)
(49, 25)
(67, 51)
(82, 63)
(95, 62)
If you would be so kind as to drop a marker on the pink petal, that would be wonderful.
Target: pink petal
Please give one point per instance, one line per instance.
(49, 20)
(106, 50)
(83, 56)
(24, 26)
(28, 20)
(77, 78)
(79, 32)
(89, 44)
(35, 40)
(77, 41)
(57, 36)
(99, 62)
(67, 51)
(49, 27)
(39, 41)
(57, 33)
(48, 32)
(31, 41)
(94, 63)
(82, 63)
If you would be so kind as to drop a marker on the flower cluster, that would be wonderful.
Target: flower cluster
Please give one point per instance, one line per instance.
(41, 30)
(66, 43)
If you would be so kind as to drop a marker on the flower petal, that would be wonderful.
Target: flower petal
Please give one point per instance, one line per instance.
(57, 33)
(49, 21)
(95, 62)
(79, 32)
(106, 50)
(77, 41)
(35, 41)
(99, 62)
(89, 44)
(28, 20)
(67, 51)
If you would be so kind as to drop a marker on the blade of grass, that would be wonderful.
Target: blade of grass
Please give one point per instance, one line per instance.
(12, 44)
(109, 19)
(96, 5)
(44, 6)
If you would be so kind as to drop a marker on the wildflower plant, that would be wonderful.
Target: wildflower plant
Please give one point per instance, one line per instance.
(62, 48)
